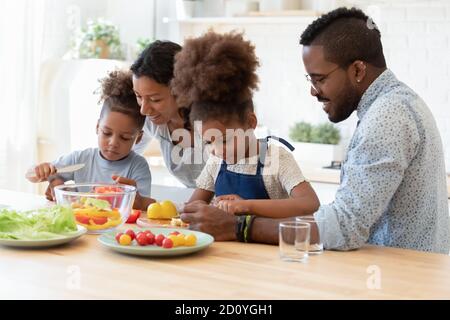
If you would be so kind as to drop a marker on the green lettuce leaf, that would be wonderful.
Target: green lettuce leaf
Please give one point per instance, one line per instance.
(41, 224)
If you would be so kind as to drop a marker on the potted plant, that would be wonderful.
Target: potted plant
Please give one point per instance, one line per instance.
(316, 144)
(100, 39)
(142, 43)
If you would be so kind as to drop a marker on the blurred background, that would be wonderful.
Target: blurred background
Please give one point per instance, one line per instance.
(52, 53)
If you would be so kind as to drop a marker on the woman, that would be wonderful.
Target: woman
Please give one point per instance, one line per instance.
(152, 74)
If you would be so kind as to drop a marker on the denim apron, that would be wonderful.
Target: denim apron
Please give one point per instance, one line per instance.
(247, 186)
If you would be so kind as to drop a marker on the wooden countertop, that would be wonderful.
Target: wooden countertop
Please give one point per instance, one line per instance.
(226, 270)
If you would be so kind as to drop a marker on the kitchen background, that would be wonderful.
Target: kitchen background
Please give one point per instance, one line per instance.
(47, 88)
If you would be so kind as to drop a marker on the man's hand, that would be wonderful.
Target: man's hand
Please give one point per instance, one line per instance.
(205, 218)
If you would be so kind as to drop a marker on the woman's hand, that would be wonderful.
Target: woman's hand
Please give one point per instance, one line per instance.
(140, 202)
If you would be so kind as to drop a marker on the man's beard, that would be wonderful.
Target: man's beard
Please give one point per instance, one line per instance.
(346, 103)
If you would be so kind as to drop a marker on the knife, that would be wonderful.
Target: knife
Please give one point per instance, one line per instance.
(72, 168)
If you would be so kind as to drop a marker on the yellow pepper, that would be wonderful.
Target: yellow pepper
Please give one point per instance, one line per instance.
(114, 214)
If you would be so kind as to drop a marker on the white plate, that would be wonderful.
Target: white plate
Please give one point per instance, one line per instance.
(204, 240)
(64, 238)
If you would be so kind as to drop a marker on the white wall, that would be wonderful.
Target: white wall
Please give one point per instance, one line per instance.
(415, 37)
(133, 17)
(416, 40)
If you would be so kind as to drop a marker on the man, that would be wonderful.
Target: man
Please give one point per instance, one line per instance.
(393, 185)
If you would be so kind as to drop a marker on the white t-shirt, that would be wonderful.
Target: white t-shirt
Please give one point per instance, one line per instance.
(281, 172)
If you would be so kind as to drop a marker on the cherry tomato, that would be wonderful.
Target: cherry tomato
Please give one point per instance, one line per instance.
(150, 237)
(125, 240)
(118, 236)
(131, 234)
(141, 239)
(148, 232)
(167, 243)
(99, 220)
(134, 216)
(159, 239)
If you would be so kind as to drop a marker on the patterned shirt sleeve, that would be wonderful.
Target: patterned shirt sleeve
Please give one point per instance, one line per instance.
(379, 154)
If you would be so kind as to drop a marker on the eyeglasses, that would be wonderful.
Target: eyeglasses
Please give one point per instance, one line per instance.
(315, 82)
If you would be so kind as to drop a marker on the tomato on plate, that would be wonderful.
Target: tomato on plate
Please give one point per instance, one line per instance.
(167, 243)
(131, 234)
(159, 239)
(141, 239)
(118, 237)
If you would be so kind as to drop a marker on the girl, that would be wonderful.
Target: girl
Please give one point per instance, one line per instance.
(119, 128)
(215, 75)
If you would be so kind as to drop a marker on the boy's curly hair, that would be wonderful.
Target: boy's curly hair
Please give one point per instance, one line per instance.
(117, 95)
(215, 75)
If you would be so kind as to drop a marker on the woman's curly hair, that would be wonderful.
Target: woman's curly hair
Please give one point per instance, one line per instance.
(215, 75)
(117, 95)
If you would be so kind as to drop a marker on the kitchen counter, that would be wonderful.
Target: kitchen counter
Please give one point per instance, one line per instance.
(84, 269)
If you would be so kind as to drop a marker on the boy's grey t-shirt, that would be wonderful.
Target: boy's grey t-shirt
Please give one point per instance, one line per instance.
(99, 170)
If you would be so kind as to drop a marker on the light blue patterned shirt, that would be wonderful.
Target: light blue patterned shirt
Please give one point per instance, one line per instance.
(393, 183)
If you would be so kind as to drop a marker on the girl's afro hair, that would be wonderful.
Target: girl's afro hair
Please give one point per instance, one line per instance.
(215, 68)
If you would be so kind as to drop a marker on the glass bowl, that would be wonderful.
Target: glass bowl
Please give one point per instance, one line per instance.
(98, 207)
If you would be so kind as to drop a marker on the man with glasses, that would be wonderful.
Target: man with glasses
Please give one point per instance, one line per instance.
(393, 182)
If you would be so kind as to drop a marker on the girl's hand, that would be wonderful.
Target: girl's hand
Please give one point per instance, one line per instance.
(140, 202)
(232, 197)
(43, 171)
(234, 206)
